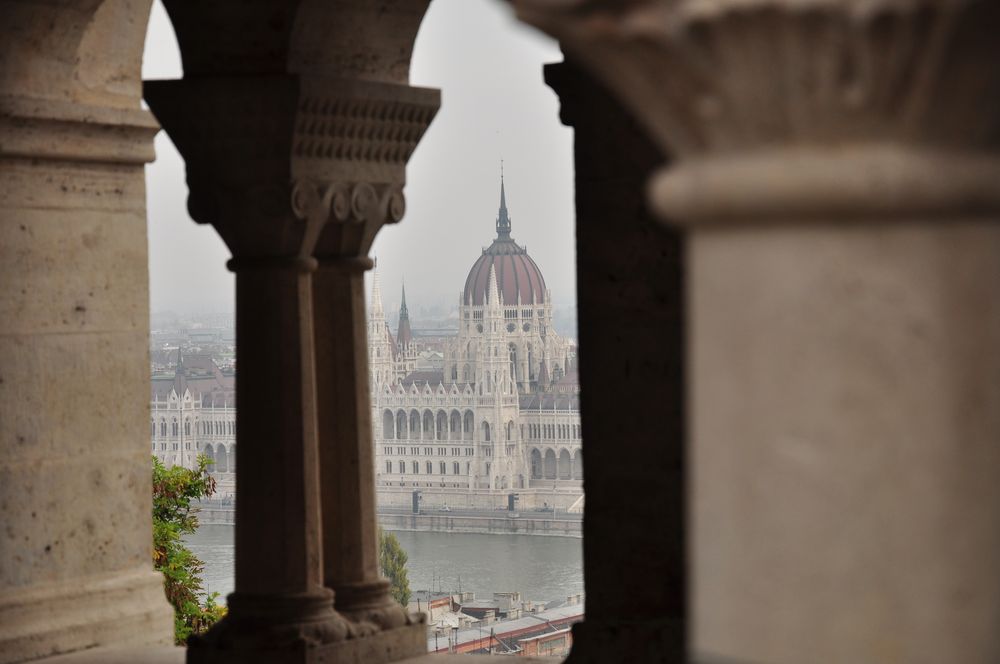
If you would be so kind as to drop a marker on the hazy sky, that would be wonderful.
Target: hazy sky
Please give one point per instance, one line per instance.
(495, 104)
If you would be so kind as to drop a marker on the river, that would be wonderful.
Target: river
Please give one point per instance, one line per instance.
(541, 568)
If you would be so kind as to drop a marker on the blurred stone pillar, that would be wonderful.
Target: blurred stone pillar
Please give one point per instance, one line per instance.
(241, 139)
(75, 473)
(837, 178)
(630, 301)
(365, 191)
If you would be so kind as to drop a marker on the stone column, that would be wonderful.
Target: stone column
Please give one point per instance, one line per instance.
(242, 177)
(75, 472)
(836, 176)
(363, 193)
(629, 301)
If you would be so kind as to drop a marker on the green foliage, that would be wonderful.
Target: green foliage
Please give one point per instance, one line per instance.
(392, 563)
(173, 490)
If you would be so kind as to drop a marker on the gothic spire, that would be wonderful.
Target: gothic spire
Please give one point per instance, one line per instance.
(376, 308)
(404, 335)
(503, 220)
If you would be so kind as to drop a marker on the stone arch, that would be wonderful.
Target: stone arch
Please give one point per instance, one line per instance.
(549, 467)
(428, 425)
(388, 425)
(467, 424)
(209, 452)
(401, 429)
(578, 465)
(442, 425)
(486, 431)
(510, 430)
(565, 465)
(232, 458)
(221, 459)
(415, 424)
(536, 464)
(455, 429)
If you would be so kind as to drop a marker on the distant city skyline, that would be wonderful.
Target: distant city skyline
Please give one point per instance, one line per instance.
(495, 106)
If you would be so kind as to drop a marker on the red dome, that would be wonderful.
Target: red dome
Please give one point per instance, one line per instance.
(517, 275)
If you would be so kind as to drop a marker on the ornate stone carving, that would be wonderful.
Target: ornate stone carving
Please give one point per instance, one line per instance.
(860, 93)
(262, 153)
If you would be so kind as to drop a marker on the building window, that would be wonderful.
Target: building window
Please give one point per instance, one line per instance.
(402, 467)
(444, 468)
(455, 468)
(187, 428)
(388, 467)
(430, 468)
(416, 467)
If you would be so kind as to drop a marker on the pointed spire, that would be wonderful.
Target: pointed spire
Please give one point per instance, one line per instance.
(492, 294)
(403, 333)
(376, 308)
(503, 219)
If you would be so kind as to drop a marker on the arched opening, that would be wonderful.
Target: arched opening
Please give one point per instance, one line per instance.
(401, 430)
(578, 465)
(221, 459)
(550, 465)
(209, 452)
(442, 425)
(414, 425)
(565, 465)
(486, 431)
(468, 425)
(455, 430)
(388, 429)
(536, 464)
(232, 458)
(428, 425)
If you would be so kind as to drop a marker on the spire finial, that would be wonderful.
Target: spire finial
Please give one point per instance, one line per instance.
(503, 219)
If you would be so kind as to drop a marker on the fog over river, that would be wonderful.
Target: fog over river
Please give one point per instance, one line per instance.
(541, 568)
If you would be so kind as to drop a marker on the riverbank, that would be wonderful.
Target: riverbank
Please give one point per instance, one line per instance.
(492, 522)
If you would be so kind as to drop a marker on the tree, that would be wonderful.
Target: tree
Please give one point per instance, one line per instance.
(392, 563)
(173, 490)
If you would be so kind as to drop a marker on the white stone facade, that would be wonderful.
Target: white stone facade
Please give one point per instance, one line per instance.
(504, 411)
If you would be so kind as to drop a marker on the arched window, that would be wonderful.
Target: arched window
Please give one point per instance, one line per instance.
(430, 468)
(163, 427)
(416, 467)
(232, 458)
(173, 428)
(455, 430)
(565, 466)
(536, 464)
(388, 430)
(221, 459)
(486, 431)
(401, 425)
(468, 424)
(550, 465)
(455, 468)
(414, 424)
(442, 425)
(428, 423)
(152, 426)
(187, 427)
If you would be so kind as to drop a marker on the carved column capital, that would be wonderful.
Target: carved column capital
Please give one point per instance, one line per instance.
(769, 106)
(266, 153)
